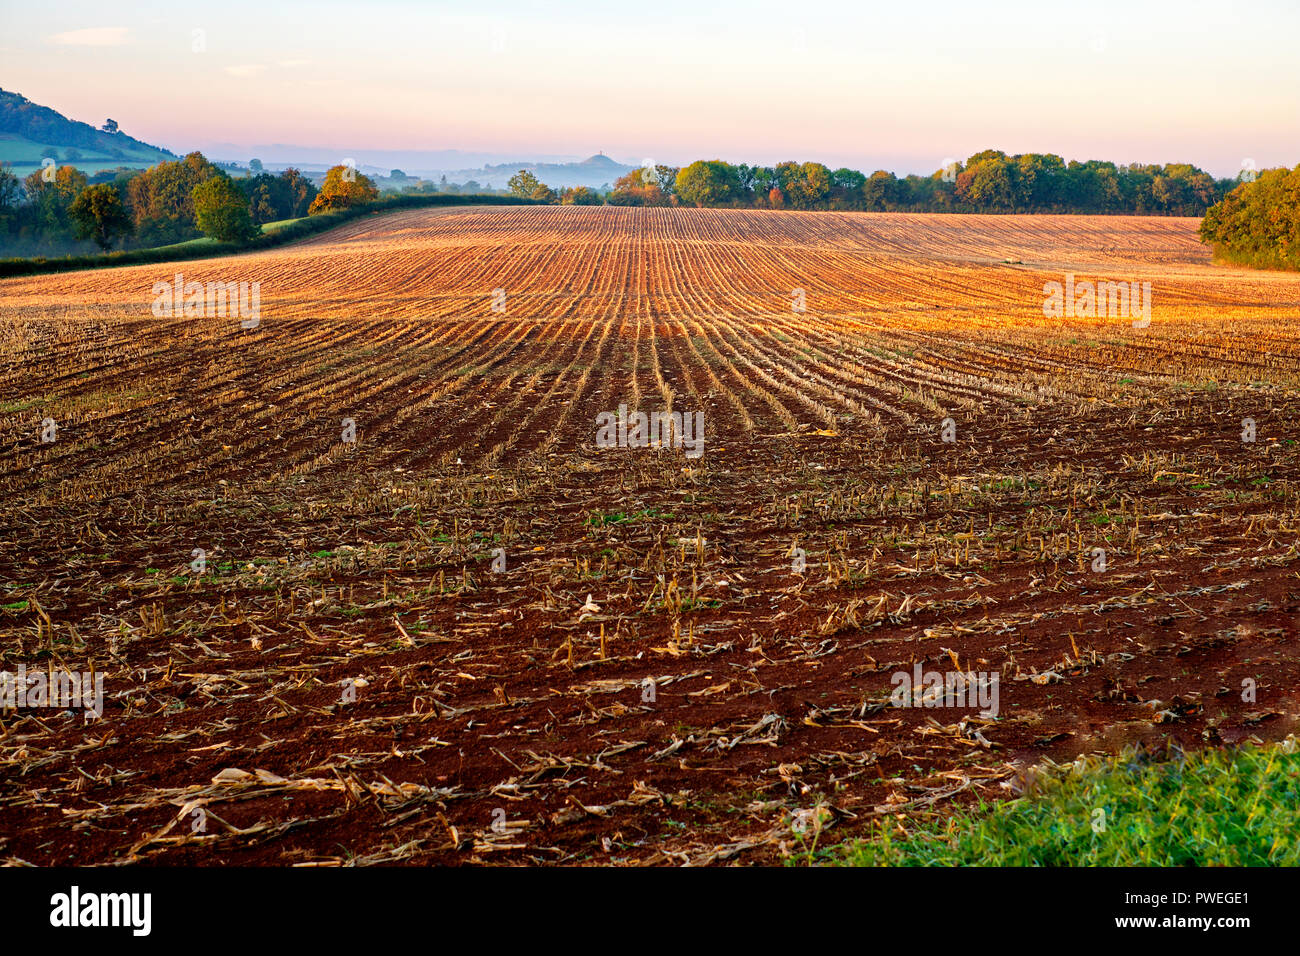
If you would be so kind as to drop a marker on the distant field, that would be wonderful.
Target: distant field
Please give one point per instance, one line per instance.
(654, 676)
(24, 156)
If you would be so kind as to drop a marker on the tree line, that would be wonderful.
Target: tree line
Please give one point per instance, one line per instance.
(57, 209)
(988, 182)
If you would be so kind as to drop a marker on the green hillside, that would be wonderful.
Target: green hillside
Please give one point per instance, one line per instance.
(29, 131)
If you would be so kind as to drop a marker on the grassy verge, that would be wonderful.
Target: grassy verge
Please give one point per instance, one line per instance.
(1254, 258)
(1210, 808)
(206, 243)
(289, 230)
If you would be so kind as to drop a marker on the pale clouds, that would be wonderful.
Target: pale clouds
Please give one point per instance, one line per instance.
(92, 36)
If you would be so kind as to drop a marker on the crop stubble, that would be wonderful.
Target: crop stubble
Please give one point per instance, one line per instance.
(492, 697)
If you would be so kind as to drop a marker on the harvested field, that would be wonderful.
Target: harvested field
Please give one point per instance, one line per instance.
(348, 679)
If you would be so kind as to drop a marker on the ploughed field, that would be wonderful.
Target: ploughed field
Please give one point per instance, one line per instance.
(348, 675)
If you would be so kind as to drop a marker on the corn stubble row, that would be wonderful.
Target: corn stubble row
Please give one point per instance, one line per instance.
(475, 430)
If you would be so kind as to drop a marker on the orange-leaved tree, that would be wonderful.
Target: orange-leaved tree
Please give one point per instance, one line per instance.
(344, 187)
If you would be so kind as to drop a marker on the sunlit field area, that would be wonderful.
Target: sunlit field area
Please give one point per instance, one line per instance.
(374, 560)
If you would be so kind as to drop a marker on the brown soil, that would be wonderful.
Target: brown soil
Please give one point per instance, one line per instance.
(505, 717)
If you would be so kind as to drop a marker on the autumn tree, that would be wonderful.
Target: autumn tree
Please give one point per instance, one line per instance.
(343, 188)
(580, 196)
(161, 199)
(646, 186)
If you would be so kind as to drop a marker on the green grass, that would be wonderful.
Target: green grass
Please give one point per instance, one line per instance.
(24, 155)
(618, 517)
(1210, 808)
(202, 241)
(10, 408)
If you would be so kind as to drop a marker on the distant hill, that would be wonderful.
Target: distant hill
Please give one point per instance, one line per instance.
(28, 129)
(595, 171)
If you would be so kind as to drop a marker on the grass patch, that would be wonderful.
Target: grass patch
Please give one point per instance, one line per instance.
(11, 408)
(1254, 258)
(205, 241)
(1210, 808)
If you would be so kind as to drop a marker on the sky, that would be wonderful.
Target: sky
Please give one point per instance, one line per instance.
(904, 86)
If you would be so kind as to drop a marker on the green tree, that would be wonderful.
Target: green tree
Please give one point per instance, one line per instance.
(53, 196)
(300, 190)
(271, 198)
(746, 176)
(524, 184)
(987, 183)
(709, 183)
(666, 178)
(846, 188)
(11, 194)
(221, 211)
(98, 213)
(1258, 222)
(880, 191)
(1038, 180)
(805, 185)
(762, 180)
